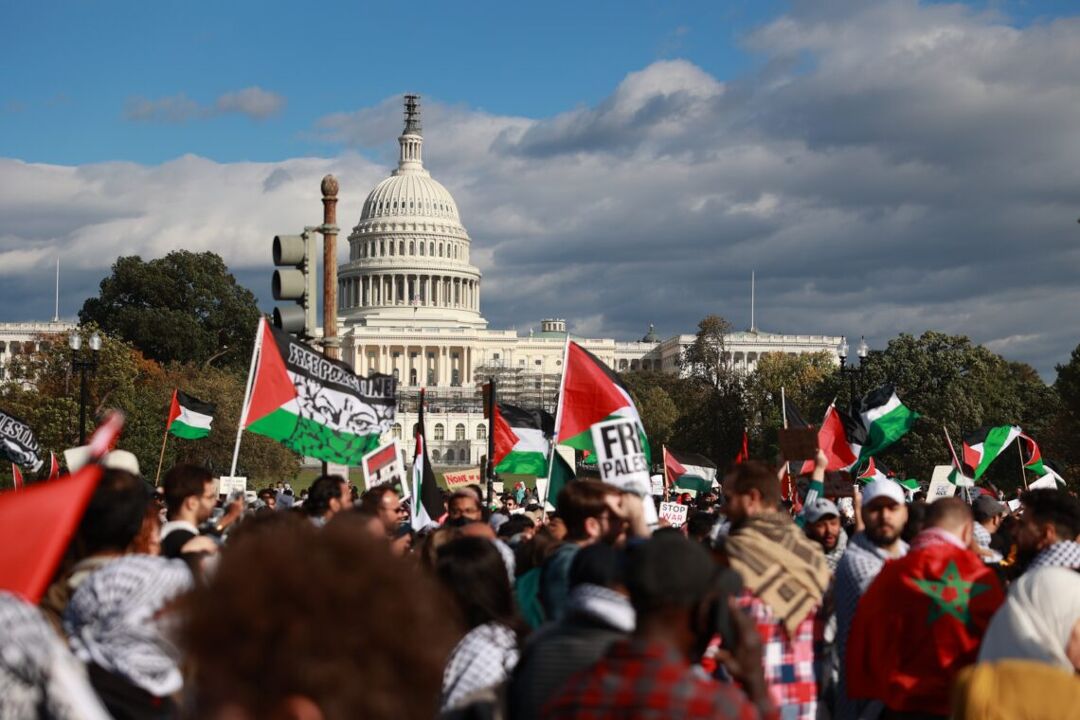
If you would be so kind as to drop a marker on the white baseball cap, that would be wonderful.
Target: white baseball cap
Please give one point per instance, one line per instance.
(883, 488)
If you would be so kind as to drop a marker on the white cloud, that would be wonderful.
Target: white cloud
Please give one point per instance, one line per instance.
(254, 102)
(889, 167)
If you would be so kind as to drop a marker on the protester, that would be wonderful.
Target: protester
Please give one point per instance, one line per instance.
(464, 506)
(592, 512)
(884, 515)
(922, 619)
(699, 525)
(823, 527)
(384, 502)
(672, 583)
(1039, 621)
(598, 612)
(112, 521)
(473, 573)
(190, 496)
(39, 678)
(785, 577)
(1015, 690)
(268, 498)
(1047, 531)
(989, 514)
(327, 496)
(298, 622)
(118, 623)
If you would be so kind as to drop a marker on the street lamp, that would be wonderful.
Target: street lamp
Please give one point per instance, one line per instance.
(853, 372)
(84, 363)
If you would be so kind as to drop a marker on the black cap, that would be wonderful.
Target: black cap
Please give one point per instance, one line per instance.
(668, 571)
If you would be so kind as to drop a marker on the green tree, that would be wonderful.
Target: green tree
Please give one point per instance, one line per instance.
(808, 382)
(650, 390)
(141, 388)
(184, 307)
(959, 386)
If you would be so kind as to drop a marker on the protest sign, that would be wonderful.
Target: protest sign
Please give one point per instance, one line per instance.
(940, 484)
(230, 485)
(620, 456)
(462, 478)
(383, 465)
(17, 442)
(656, 485)
(674, 513)
(798, 443)
(838, 484)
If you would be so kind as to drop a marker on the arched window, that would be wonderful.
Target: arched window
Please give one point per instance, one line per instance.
(391, 247)
(422, 249)
(431, 249)
(449, 457)
(481, 432)
(459, 431)
(440, 432)
(412, 247)
(440, 249)
(396, 431)
(401, 247)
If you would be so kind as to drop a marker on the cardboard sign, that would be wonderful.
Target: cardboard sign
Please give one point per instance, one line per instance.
(656, 485)
(798, 443)
(228, 485)
(384, 465)
(456, 480)
(674, 513)
(940, 484)
(839, 484)
(620, 457)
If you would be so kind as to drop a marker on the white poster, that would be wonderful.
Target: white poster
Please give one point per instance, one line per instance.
(674, 513)
(940, 484)
(384, 465)
(620, 456)
(656, 485)
(228, 485)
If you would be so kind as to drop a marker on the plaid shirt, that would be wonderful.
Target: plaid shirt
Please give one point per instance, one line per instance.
(641, 680)
(789, 661)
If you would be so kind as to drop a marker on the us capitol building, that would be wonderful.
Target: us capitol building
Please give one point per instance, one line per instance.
(409, 305)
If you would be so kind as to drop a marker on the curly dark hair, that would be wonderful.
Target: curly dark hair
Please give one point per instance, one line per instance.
(293, 610)
(1057, 507)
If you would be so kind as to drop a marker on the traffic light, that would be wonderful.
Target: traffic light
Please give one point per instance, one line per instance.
(295, 280)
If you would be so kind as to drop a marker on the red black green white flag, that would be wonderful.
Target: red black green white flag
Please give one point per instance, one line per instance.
(427, 505)
(1033, 459)
(688, 471)
(982, 446)
(884, 418)
(316, 406)
(522, 440)
(189, 418)
(591, 392)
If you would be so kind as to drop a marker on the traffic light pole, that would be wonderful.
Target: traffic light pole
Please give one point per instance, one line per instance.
(329, 230)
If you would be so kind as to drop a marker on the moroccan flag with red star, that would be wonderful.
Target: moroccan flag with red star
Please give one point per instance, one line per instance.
(920, 622)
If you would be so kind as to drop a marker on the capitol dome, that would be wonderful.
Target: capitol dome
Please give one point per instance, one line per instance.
(409, 252)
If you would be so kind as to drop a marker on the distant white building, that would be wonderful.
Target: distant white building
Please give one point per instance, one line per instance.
(409, 305)
(19, 338)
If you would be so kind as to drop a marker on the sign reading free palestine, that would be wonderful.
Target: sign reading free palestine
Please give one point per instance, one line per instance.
(620, 456)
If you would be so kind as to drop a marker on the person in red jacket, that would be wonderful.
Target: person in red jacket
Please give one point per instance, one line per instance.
(923, 618)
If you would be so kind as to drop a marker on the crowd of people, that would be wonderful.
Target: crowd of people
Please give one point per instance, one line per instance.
(177, 602)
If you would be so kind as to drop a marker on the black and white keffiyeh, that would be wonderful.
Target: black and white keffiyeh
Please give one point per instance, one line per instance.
(112, 621)
(483, 658)
(602, 605)
(39, 678)
(1064, 554)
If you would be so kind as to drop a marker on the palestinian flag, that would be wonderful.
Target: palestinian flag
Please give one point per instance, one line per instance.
(1032, 455)
(591, 392)
(885, 419)
(189, 418)
(316, 406)
(522, 440)
(792, 417)
(871, 472)
(919, 623)
(841, 437)
(688, 471)
(561, 474)
(985, 444)
(427, 505)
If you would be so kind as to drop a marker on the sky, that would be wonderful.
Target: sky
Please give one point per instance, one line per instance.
(884, 166)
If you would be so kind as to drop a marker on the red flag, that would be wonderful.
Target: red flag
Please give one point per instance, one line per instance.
(833, 439)
(16, 477)
(920, 623)
(744, 452)
(54, 467)
(37, 525)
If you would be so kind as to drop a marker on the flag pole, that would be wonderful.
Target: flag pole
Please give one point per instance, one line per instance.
(1020, 452)
(161, 459)
(558, 421)
(667, 489)
(491, 442)
(247, 395)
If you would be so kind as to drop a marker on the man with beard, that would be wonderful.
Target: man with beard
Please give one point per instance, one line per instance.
(884, 515)
(1048, 528)
(785, 578)
(823, 527)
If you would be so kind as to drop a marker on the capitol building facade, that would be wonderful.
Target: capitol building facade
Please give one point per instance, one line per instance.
(409, 305)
